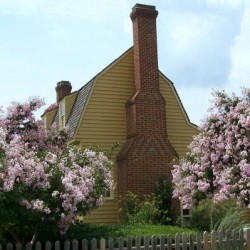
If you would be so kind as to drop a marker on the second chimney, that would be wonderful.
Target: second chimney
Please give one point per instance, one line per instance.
(63, 88)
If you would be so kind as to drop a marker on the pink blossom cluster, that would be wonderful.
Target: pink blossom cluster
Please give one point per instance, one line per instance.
(51, 107)
(51, 179)
(85, 176)
(218, 164)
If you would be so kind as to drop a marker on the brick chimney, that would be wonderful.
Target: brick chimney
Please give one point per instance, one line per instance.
(63, 88)
(147, 152)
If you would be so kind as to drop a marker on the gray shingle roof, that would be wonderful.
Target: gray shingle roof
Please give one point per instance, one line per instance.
(79, 106)
(56, 119)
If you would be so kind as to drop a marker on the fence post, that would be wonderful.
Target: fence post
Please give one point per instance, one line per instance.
(199, 241)
(93, 244)
(184, 241)
(111, 244)
(205, 240)
(177, 241)
(66, 245)
(248, 239)
(75, 244)
(9, 246)
(169, 241)
(191, 242)
(47, 245)
(213, 240)
(121, 243)
(102, 244)
(38, 245)
(84, 244)
(146, 243)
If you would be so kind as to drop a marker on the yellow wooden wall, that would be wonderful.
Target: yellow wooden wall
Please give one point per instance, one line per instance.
(180, 130)
(104, 121)
(69, 102)
(49, 117)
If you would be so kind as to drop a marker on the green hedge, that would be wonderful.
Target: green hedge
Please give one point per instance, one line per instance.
(115, 231)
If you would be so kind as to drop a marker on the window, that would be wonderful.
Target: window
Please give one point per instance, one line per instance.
(185, 216)
(107, 194)
(62, 114)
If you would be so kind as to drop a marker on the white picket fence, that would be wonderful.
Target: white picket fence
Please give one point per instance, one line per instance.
(235, 240)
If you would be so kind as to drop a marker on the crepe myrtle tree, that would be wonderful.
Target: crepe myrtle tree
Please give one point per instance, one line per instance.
(218, 164)
(43, 180)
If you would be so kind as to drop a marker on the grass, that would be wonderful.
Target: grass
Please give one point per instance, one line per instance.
(87, 231)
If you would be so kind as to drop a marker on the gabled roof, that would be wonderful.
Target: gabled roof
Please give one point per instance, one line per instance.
(82, 98)
(84, 93)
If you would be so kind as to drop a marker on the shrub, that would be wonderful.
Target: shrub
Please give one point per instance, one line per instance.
(207, 215)
(87, 231)
(163, 200)
(235, 218)
(148, 214)
(129, 206)
(44, 182)
(155, 209)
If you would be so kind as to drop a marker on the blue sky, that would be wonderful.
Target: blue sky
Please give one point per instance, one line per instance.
(202, 45)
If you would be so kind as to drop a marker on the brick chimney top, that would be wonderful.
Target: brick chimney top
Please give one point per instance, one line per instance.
(144, 6)
(143, 11)
(63, 88)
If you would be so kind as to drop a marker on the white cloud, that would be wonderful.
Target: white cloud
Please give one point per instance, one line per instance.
(240, 54)
(185, 34)
(193, 96)
(96, 11)
(230, 3)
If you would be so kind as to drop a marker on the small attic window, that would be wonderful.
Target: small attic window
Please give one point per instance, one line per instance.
(62, 114)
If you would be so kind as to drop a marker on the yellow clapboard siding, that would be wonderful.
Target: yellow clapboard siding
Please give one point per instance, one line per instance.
(116, 98)
(114, 93)
(118, 81)
(49, 117)
(180, 130)
(108, 213)
(111, 126)
(104, 122)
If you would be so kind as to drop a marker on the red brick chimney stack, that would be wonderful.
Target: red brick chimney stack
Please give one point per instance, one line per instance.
(63, 88)
(145, 47)
(147, 152)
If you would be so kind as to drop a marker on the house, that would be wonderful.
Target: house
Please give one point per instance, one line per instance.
(132, 103)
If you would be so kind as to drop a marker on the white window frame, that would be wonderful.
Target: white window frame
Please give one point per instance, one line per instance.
(62, 113)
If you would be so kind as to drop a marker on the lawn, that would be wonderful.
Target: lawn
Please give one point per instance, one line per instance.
(87, 231)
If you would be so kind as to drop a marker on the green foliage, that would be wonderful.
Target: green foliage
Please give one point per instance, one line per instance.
(129, 206)
(107, 151)
(80, 231)
(163, 200)
(234, 219)
(155, 209)
(231, 220)
(207, 215)
(148, 214)
(18, 223)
